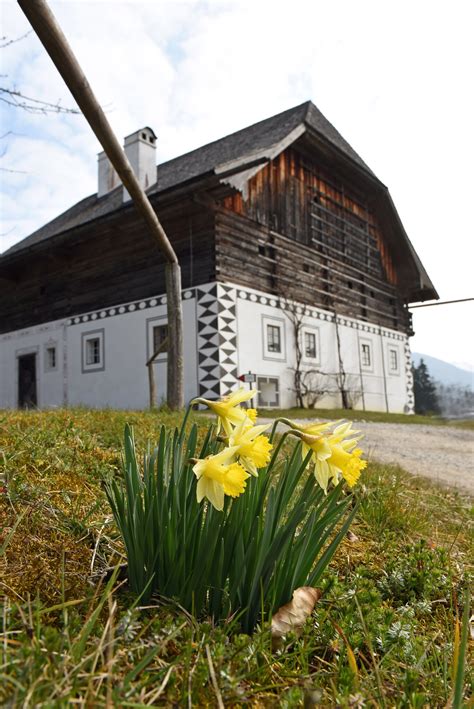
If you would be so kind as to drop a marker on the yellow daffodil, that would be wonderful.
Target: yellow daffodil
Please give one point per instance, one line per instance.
(253, 449)
(334, 454)
(321, 450)
(219, 475)
(349, 465)
(228, 410)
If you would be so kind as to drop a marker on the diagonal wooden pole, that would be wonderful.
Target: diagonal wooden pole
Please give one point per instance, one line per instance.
(52, 37)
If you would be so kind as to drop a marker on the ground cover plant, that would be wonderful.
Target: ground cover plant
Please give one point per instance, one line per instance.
(386, 631)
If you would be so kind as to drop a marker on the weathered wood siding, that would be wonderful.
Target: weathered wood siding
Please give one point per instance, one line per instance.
(105, 263)
(305, 234)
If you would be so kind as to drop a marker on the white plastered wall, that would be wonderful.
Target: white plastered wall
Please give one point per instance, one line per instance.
(382, 388)
(33, 340)
(126, 330)
(122, 382)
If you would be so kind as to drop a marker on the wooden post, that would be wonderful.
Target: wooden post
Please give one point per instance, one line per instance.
(151, 384)
(51, 36)
(175, 337)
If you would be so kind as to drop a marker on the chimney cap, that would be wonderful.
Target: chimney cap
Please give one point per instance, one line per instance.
(146, 133)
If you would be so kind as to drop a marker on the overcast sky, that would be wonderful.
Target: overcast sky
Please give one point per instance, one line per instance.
(395, 78)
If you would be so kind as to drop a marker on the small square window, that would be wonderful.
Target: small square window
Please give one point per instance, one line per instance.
(310, 350)
(93, 351)
(274, 338)
(366, 358)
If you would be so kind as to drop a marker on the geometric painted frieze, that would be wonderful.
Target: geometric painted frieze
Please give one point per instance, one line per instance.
(410, 401)
(217, 339)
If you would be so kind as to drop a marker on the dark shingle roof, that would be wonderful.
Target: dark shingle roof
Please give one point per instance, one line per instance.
(254, 140)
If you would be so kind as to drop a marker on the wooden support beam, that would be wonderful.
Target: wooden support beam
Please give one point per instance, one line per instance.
(54, 41)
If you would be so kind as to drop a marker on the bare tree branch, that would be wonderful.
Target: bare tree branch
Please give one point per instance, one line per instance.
(13, 41)
(12, 97)
(32, 105)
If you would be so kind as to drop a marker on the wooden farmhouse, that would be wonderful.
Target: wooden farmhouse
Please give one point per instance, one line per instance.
(295, 267)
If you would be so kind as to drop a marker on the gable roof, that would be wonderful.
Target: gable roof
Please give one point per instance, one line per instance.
(234, 159)
(264, 139)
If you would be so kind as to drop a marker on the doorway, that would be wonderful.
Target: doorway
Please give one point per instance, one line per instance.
(27, 392)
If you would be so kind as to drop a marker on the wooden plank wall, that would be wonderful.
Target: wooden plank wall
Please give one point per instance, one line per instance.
(104, 264)
(302, 230)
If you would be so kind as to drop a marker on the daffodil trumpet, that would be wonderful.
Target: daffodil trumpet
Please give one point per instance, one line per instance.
(218, 475)
(253, 448)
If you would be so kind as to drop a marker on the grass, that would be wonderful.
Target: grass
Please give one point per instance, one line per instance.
(386, 631)
(356, 415)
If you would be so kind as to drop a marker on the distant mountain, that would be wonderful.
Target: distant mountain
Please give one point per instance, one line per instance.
(445, 372)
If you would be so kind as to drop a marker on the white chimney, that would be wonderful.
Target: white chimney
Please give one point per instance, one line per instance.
(140, 149)
(108, 178)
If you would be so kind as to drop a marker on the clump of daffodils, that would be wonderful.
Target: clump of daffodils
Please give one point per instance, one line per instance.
(186, 539)
(335, 454)
(226, 472)
(334, 450)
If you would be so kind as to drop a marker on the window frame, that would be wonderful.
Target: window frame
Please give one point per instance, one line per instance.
(306, 330)
(367, 367)
(274, 322)
(87, 337)
(391, 349)
(266, 379)
(50, 345)
(156, 327)
(151, 323)
(274, 344)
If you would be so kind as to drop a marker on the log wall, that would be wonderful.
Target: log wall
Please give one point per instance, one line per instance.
(305, 234)
(105, 263)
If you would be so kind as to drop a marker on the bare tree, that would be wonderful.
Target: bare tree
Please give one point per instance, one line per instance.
(12, 96)
(314, 385)
(309, 385)
(296, 314)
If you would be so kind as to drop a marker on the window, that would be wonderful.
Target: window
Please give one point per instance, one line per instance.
(93, 359)
(51, 357)
(310, 350)
(268, 391)
(274, 338)
(366, 358)
(156, 334)
(93, 351)
(160, 334)
(392, 360)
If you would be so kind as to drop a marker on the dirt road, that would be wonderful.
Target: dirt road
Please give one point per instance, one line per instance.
(442, 453)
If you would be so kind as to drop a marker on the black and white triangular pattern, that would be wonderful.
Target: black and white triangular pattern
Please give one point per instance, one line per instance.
(217, 340)
(409, 380)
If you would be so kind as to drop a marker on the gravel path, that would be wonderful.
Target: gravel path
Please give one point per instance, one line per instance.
(442, 453)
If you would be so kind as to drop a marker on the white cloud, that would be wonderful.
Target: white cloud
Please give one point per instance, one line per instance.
(392, 77)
